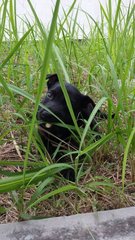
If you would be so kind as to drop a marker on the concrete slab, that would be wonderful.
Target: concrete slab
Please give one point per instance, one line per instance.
(106, 225)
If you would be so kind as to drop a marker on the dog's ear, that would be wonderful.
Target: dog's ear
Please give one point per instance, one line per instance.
(52, 79)
(87, 106)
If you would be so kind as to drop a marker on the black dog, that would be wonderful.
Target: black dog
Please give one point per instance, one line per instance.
(54, 135)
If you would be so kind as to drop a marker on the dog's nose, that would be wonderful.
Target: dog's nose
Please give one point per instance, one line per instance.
(42, 114)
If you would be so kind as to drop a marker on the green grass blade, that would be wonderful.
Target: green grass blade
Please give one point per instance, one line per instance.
(14, 183)
(2, 25)
(40, 189)
(20, 42)
(12, 17)
(126, 156)
(66, 17)
(98, 27)
(55, 192)
(115, 24)
(47, 54)
(92, 115)
(115, 82)
(97, 144)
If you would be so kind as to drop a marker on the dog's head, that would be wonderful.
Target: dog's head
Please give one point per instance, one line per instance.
(55, 102)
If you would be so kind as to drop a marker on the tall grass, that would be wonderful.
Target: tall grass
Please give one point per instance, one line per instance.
(102, 64)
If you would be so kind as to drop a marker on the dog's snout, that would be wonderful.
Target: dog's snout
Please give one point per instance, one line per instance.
(41, 114)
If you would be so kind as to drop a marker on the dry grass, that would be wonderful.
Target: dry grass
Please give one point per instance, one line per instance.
(103, 164)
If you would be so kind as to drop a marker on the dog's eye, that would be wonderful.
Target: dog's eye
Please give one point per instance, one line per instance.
(50, 95)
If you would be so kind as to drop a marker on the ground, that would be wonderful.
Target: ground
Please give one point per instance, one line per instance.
(103, 198)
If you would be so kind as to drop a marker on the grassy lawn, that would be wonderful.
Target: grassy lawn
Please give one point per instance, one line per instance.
(101, 65)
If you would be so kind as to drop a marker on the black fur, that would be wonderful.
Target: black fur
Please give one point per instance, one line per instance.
(54, 101)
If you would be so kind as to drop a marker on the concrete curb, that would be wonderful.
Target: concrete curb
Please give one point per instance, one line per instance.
(106, 225)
